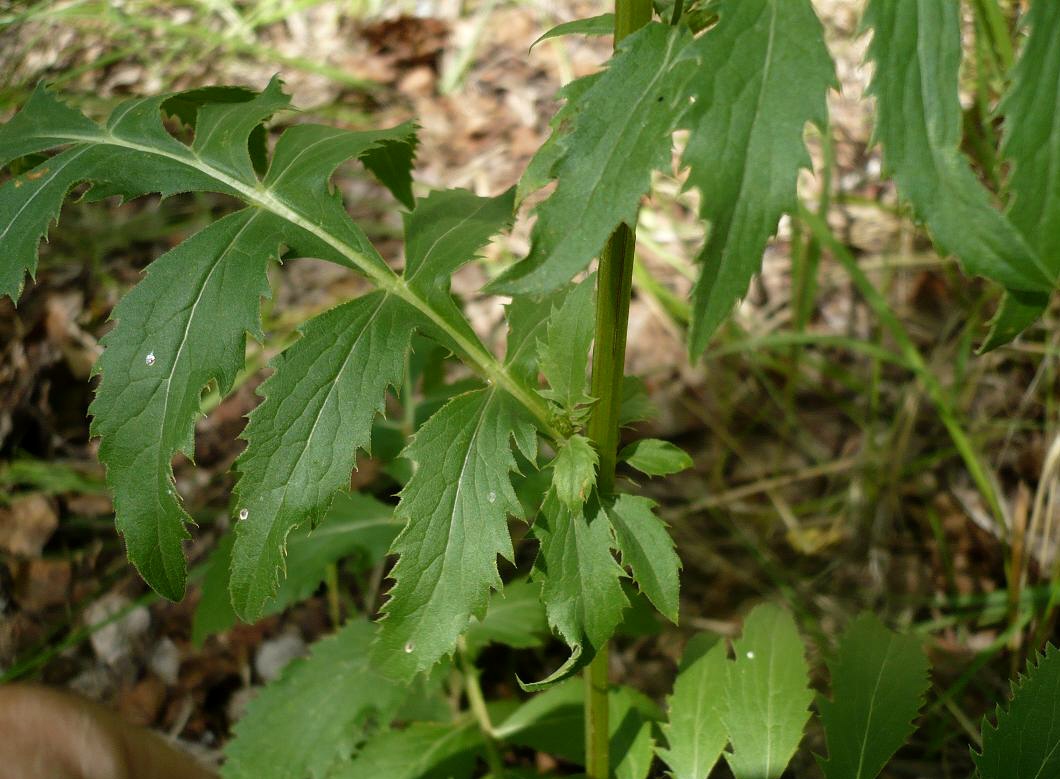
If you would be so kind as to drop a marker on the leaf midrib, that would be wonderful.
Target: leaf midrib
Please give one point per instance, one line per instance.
(387, 280)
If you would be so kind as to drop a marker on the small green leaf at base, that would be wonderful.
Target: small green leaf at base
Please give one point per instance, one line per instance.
(604, 24)
(655, 458)
(878, 683)
(1025, 742)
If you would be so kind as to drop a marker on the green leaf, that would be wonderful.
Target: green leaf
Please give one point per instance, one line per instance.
(515, 618)
(1031, 142)
(655, 457)
(648, 550)
(564, 354)
(878, 683)
(694, 733)
(916, 48)
(456, 506)
(423, 750)
(185, 325)
(528, 320)
(627, 114)
(315, 713)
(636, 405)
(604, 24)
(766, 695)
(214, 613)
(391, 162)
(1026, 740)
(763, 73)
(181, 328)
(302, 440)
(541, 168)
(574, 471)
(581, 580)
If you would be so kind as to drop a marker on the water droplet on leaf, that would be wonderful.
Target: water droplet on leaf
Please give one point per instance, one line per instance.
(750, 655)
(150, 358)
(408, 648)
(243, 513)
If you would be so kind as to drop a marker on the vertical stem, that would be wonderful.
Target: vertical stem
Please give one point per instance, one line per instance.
(614, 286)
(478, 707)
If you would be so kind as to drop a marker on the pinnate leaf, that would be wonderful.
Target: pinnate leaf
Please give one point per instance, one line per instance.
(627, 114)
(694, 732)
(763, 73)
(767, 695)
(916, 48)
(315, 714)
(648, 550)
(655, 457)
(878, 683)
(185, 325)
(1025, 742)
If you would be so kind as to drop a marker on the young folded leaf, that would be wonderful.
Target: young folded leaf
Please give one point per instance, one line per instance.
(626, 115)
(574, 471)
(763, 73)
(916, 48)
(694, 732)
(315, 714)
(878, 683)
(1026, 740)
(767, 695)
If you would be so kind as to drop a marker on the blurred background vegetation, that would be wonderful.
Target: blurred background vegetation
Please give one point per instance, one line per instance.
(851, 450)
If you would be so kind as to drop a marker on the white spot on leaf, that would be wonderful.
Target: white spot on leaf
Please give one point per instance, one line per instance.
(243, 513)
(492, 497)
(150, 359)
(409, 648)
(750, 655)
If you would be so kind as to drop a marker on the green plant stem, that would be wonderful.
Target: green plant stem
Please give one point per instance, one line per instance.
(614, 285)
(477, 702)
